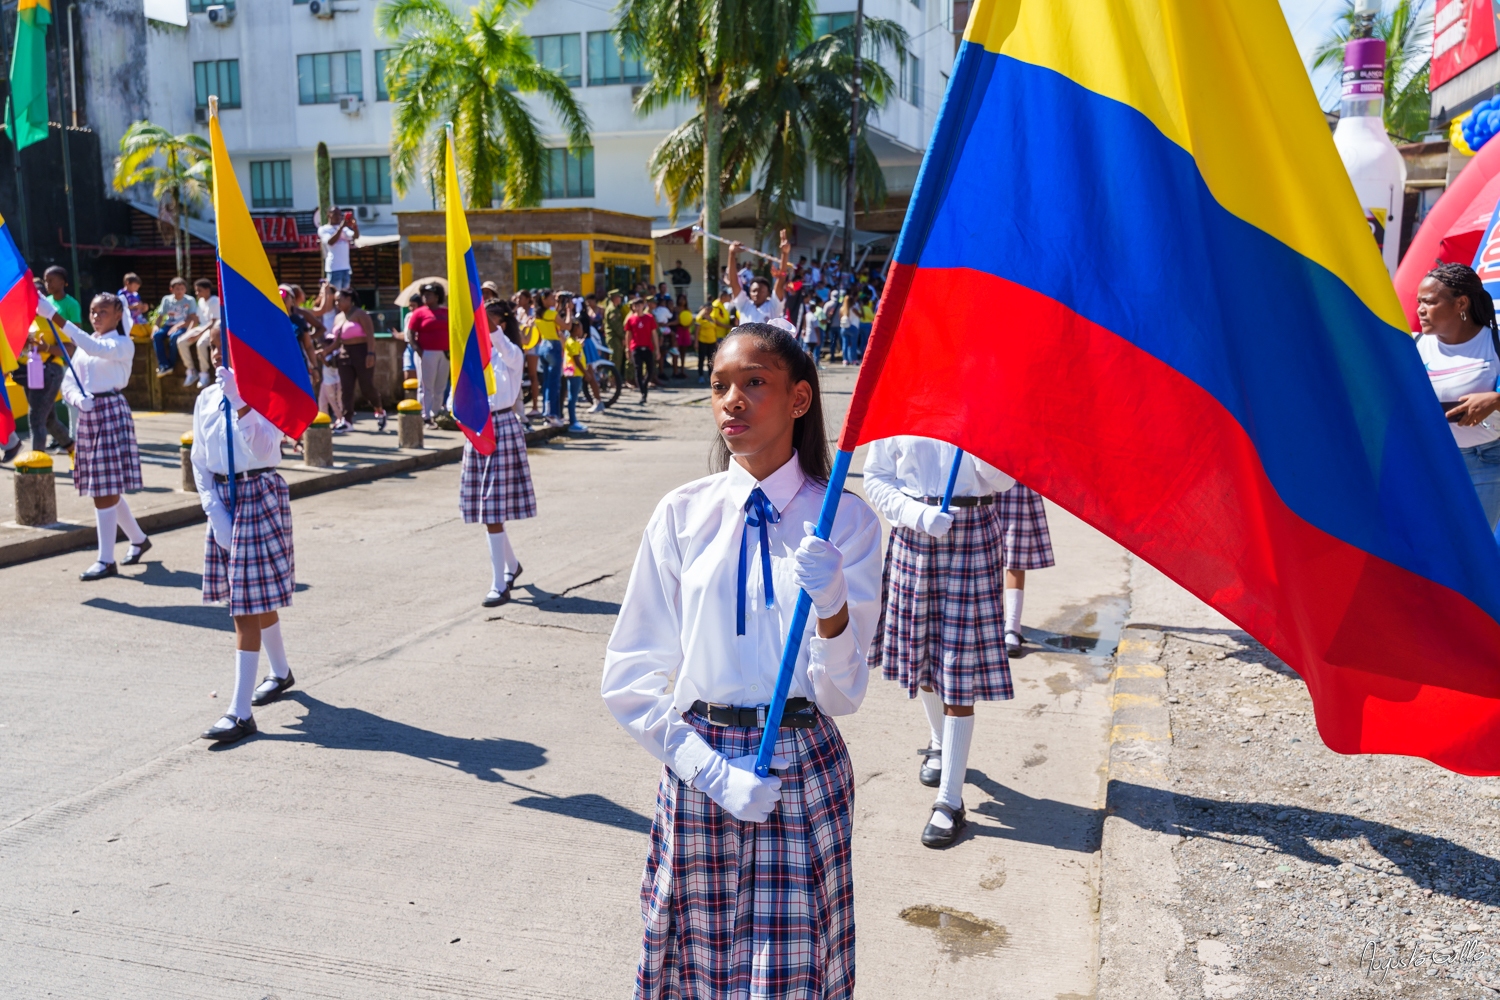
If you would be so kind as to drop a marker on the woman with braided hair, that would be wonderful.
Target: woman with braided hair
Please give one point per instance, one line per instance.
(1460, 347)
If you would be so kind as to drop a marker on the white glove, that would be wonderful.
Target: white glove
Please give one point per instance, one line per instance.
(231, 388)
(44, 307)
(734, 785)
(222, 527)
(86, 404)
(820, 571)
(934, 521)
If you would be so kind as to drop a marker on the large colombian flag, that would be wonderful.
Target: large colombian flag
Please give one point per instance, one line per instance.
(468, 327)
(1134, 274)
(260, 342)
(18, 295)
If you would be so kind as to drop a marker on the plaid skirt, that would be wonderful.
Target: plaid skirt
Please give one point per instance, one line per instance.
(258, 573)
(1023, 522)
(736, 910)
(493, 489)
(942, 623)
(106, 460)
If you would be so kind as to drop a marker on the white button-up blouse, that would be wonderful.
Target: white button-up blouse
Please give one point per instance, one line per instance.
(674, 641)
(898, 469)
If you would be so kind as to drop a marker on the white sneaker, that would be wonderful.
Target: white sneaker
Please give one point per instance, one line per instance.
(597, 408)
(203, 380)
(556, 422)
(192, 377)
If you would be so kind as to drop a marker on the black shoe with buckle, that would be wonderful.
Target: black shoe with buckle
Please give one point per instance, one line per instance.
(99, 571)
(936, 836)
(495, 598)
(230, 730)
(136, 551)
(1014, 644)
(932, 767)
(272, 688)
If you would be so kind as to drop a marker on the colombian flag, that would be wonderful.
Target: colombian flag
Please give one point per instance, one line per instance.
(8, 364)
(1189, 341)
(468, 326)
(17, 293)
(260, 342)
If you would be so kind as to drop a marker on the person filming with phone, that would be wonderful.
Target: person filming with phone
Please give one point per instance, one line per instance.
(337, 237)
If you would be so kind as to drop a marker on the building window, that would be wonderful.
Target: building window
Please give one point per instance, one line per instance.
(201, 6)
(362, 180)
(568, 174)
(382, 92)
(830, 186)
(608, 63)
(271, 184)
(217, 78)
(324, 77)
(911, 78)
(562, 54)
(827, 24)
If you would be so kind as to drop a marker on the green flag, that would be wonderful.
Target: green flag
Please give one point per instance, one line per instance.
(26, 110)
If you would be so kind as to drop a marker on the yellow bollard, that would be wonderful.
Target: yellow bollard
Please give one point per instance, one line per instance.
(317, 442)
(408, 424)
(36, 490)
(185, 443)
(410, 385)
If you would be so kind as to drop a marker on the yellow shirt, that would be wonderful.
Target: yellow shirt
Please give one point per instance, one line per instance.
(546, 324)
(573, 363)
(713, 330)
(868, 314)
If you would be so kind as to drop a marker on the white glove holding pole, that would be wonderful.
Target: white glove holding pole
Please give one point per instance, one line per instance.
(223, 527)
(934, 521)
(86, 404)
(231, 388)
(45, 308)
(733, 784)
(819, 570)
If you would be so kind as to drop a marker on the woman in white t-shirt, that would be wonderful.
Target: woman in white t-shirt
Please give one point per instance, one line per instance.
(1460, 347)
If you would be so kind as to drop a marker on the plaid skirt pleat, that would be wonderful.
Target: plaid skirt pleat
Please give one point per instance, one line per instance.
(258, 574)
(734, 910)
(106, 460)
(1023, 523)
(942, 623)
(493, 489)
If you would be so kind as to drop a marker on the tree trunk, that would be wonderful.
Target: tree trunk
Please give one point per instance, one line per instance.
(187, 249)
(713, 155)
(325, 183)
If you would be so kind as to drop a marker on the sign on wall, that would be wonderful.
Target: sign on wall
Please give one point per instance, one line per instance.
(1463, 32)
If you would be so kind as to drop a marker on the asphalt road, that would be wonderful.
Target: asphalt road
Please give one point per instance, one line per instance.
(443, 807)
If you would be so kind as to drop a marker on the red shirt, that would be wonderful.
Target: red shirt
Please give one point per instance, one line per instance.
(430, 326)
(640, 328)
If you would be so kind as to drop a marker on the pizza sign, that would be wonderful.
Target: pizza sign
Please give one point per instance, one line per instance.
(1463, 33)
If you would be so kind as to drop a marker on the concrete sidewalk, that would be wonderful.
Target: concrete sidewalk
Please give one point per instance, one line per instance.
(362, 455)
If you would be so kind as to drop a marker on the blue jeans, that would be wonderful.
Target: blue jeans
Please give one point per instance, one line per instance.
(549, 357)
(340, 279)
(165, 346)
(575, 386)
(849, 343)
(1483, 463)
(864, 338)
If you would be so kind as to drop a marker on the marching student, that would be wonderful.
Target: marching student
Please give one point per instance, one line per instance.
(106, 460)
(941, 630)
(496, 488)
(247, 552)
(748, 887)
(1027, 544)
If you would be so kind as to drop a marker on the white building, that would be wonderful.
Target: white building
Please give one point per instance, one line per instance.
(292, 73)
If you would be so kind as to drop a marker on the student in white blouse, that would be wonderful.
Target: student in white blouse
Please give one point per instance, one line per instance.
(759, 303)
(247, 550)
(692, 665)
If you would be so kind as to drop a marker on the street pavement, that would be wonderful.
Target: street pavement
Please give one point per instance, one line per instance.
(443, 807)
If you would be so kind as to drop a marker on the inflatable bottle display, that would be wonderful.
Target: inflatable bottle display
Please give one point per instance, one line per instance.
(1374, 165)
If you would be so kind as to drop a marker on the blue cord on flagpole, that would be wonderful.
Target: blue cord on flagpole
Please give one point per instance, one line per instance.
(793, 645)
(958, 459)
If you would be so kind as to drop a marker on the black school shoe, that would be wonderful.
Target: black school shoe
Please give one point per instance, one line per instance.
(272, 688)
(105, 569)
(495, 598)
(230, 730)
(936, 836)
(131, 558)
(931, 773)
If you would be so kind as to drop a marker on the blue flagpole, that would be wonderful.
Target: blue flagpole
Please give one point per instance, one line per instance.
(228, 410)
(958, 459)
(793, 645)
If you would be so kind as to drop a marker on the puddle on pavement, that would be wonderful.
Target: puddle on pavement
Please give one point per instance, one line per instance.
(962, 935)
(1091, 632)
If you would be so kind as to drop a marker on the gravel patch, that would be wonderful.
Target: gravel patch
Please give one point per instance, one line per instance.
(1308, 873)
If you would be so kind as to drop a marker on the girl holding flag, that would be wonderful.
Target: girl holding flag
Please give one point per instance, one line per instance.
(748, 887)
(941, 630)
(106, 460)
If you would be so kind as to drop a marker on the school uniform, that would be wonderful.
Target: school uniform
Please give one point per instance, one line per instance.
(258, 572)
(496, 488)
(106, 459)
(943, 622)
(734, 909)
(1025, 538)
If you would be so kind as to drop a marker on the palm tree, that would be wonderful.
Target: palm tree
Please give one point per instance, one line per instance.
(181, 186)
(778, 121)
(704, 51)
(472, 71)
(1407, 31)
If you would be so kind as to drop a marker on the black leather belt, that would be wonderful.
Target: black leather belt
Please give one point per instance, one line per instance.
(959, 501)
(107, 392)
(799, 714)
(219, 477)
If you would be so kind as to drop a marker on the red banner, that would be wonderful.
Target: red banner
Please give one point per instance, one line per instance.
(1463, 32)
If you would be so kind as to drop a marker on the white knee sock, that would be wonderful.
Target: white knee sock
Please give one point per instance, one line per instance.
(105, 518)
(270, 638)
(933, 706)
(127, 521)
(511, 562)
(958, 730)
(244, 682)
(498, 545)
(1014, 598)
